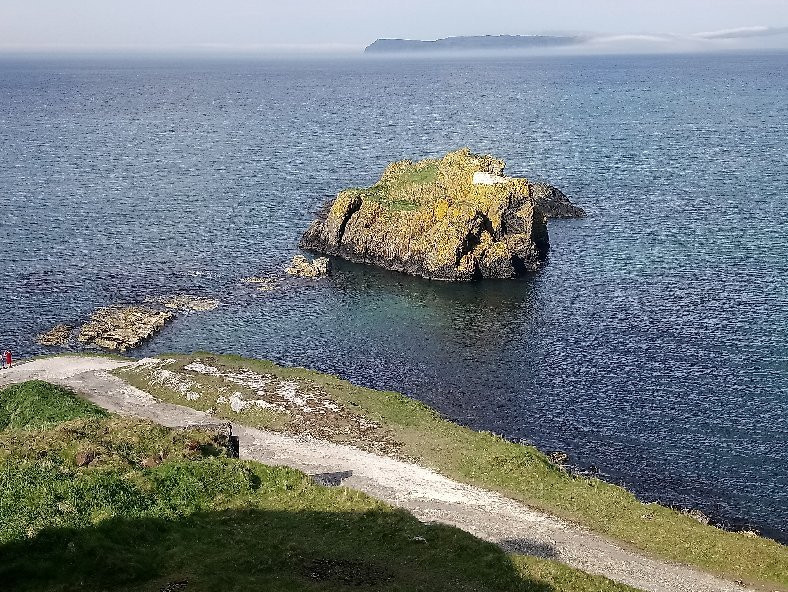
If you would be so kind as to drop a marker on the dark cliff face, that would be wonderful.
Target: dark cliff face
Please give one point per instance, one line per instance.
(455, 218)
(553, 203)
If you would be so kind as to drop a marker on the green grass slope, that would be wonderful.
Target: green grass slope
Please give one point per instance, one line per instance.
(36, 404)
(411, 430)
(101, 502)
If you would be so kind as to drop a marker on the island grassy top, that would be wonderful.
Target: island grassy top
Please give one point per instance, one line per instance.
(92, 501)
(407, 185)
(390, 423)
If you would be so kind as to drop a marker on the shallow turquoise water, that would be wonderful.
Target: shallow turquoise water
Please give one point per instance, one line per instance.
(652, 346)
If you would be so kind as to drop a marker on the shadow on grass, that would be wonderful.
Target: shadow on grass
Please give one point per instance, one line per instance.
(262, 550)
(334, 479)
(529, 547)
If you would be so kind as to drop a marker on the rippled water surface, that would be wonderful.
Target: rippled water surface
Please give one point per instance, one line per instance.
(652, 346)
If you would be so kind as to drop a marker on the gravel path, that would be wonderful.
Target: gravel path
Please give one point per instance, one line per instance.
(425, 493)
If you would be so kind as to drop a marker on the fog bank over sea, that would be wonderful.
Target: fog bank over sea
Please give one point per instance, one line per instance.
(756, 38)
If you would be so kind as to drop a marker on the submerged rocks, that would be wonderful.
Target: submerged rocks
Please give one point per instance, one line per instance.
(119, 328)
(262, 283)
(454, 218)
(57, 335)
(185, 302)
(300, 266)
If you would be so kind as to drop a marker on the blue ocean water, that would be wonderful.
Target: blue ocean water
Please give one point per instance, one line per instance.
(652, 346)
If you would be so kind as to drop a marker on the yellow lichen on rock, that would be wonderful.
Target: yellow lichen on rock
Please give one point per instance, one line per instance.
(431, 218)
(441, 209)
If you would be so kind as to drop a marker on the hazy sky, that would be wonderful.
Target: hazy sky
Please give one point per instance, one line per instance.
(338, 24)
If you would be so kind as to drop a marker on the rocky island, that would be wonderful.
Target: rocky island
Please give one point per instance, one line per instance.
(454, 218)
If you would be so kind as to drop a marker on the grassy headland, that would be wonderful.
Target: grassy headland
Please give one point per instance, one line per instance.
(92, 501)
(394, 424)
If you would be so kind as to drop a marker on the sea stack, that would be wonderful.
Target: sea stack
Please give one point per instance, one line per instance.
(455, 218)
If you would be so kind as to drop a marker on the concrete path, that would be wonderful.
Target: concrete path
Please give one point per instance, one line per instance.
(423, 492)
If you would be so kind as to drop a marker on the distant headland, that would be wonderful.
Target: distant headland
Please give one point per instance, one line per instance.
(472, 43)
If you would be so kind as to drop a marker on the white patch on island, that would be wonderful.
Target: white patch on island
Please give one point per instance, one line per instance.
(480, 178)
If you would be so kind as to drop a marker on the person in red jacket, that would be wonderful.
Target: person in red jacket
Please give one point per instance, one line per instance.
(7, 357)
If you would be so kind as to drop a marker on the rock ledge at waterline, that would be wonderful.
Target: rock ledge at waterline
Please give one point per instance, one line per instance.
(454, 218)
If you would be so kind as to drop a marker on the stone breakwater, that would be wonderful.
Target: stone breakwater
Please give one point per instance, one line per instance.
(454, 218)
